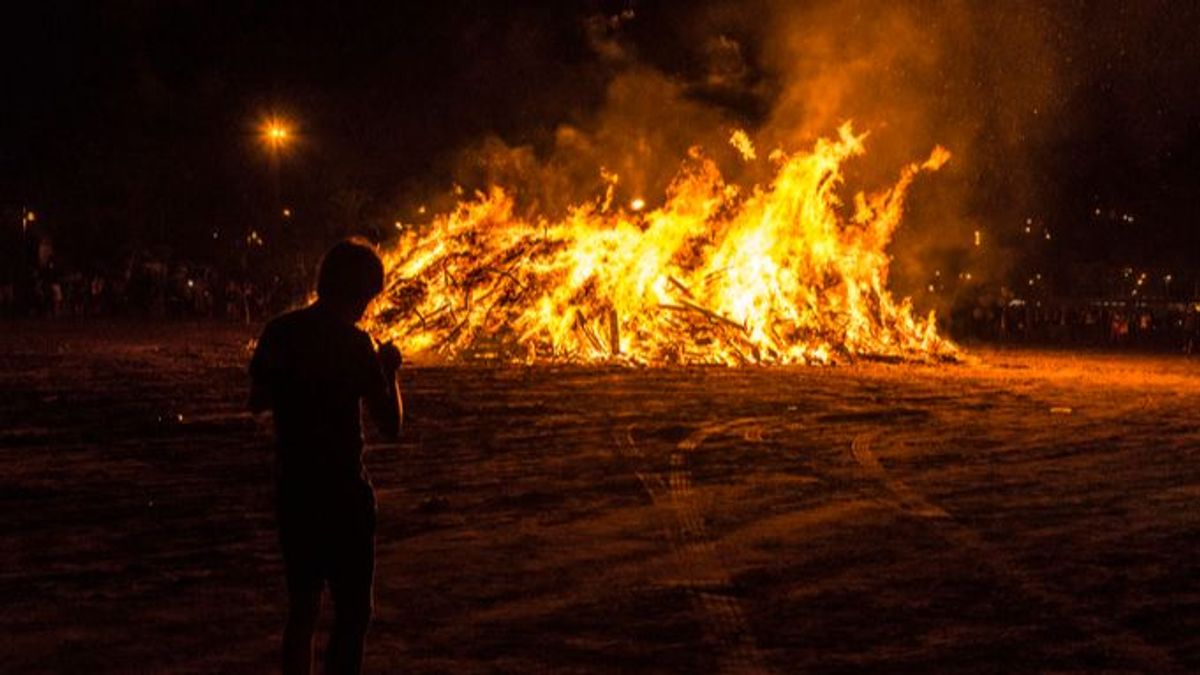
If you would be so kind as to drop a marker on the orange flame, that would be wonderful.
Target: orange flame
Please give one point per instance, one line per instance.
(716, 274)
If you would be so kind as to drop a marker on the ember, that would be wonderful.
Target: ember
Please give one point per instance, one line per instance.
(718, 274)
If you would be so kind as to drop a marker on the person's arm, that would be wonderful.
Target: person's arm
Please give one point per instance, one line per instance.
(384, 401)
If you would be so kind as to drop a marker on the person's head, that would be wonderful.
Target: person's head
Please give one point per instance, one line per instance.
(351, 274)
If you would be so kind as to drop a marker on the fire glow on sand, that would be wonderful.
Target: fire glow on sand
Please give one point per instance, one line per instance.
(782, 273)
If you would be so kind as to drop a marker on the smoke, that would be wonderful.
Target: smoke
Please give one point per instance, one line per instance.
(981, 79)
(640, 135)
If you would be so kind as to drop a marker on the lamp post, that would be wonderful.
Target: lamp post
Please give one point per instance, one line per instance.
(276, 135)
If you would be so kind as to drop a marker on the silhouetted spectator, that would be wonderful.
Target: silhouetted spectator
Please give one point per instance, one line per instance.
(311, 369)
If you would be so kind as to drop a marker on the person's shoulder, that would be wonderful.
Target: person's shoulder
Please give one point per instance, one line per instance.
(278, 337)
(288, 320)
(287, 328)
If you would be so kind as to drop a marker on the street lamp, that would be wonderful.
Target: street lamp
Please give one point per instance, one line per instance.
(276, 134)
(279, 135)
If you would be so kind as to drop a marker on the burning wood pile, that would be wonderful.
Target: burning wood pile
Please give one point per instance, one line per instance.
(776, 274)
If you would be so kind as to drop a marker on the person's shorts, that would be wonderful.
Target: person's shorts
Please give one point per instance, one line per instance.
(328, 540)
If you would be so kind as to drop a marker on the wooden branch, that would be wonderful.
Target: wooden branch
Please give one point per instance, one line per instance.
(685, 305)
(679, 285)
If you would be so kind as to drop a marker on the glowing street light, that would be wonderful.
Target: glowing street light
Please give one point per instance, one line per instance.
(276, 134)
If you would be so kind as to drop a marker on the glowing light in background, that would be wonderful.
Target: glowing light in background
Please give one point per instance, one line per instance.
(276, 133)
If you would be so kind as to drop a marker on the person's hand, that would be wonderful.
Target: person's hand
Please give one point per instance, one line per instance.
(389, 357)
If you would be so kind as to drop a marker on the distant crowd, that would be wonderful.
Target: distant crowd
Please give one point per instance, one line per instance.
(1088, 323)
(149, 289)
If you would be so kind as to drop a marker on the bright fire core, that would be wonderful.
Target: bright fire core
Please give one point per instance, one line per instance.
(780, 273)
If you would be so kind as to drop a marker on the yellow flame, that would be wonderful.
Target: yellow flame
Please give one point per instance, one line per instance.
(741, 142)
(716, 274)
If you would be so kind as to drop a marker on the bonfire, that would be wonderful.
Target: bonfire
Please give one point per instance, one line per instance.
(779, 273)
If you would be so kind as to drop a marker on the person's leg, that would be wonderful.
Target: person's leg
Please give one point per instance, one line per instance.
(352, 617)
(299, 541)
(303, 608)
(351, 585)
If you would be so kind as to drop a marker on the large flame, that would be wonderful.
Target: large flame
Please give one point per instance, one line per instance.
(717, 274)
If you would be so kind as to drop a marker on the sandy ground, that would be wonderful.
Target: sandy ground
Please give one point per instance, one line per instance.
(1028, 512)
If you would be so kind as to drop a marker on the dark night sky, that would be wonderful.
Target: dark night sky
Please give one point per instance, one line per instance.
(136, 120)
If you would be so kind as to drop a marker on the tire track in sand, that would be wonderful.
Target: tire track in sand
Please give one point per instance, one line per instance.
(702, 572)
(1115, 638)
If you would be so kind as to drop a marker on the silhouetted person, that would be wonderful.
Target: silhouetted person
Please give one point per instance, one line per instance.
(312, 368)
